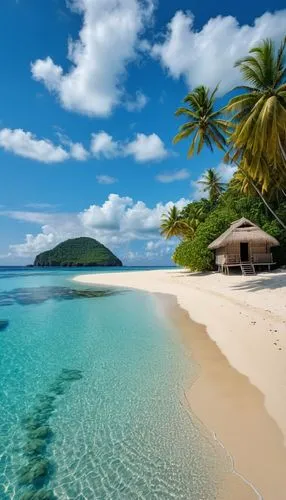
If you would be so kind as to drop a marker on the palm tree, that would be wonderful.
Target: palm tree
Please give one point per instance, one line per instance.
(207, 127)
(204, 125)
(259, 112)
(171, 223)
(174, 224)
(212, 183)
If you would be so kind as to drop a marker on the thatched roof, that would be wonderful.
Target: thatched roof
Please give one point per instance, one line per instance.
(243, 230)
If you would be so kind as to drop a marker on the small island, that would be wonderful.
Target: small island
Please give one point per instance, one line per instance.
(77, 252)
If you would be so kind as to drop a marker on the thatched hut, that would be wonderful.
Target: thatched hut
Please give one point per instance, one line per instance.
(244, 245)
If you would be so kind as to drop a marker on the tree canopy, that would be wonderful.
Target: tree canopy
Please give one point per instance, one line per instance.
(251, 130)
(78, 252)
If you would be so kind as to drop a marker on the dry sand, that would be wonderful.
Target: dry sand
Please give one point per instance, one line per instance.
(240, 394)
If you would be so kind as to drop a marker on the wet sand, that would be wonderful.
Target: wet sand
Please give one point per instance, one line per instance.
(234, 412)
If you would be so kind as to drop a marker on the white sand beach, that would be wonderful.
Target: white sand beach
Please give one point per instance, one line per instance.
(240, 395)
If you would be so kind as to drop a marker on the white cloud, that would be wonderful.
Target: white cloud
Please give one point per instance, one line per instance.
(212, 51)
(138, 103)
(109, 215)
(40, 206)
(168, 177)
(118, 221)
(107, 43)
(27, 145)
(102, 144)
(78, 151)
(226, 172)
(161, 247)
(143, 148)
(197, 190)
(146, 148)
(106, 179)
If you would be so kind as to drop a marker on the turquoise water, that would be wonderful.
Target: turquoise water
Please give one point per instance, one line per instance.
(114, 425)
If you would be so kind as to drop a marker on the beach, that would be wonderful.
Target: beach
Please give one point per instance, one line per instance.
(236, 331)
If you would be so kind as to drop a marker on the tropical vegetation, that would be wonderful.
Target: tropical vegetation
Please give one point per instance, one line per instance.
(251, 132)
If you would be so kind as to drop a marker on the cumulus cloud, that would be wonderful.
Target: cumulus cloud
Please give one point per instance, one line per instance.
(108, 41)
(168, 177)
(106, 179)
(160, 248)
(143, 148)
(27, 145)
(146, 148)
(78, 151)
(212, 51)
(118, 221)
(103, 145)
(226, 172)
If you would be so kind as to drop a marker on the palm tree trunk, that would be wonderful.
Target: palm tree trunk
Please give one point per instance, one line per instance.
(265, 202)
(259, 193)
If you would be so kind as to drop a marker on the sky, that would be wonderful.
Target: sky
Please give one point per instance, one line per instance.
(88, 92)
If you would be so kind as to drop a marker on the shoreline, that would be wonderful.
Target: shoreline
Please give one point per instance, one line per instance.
(209, 398)
(239, 392)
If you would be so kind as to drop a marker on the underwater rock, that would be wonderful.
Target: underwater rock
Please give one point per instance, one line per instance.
(41, 494)
(46, 398)
(58, 388)
(34, 446)
(44, 410)
(27, 296)
(35, 422)
(36, 470)
(3, 324)
(43, 432)
(36, 473)
(71, 375)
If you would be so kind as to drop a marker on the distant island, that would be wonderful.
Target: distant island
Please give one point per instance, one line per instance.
(77, 252)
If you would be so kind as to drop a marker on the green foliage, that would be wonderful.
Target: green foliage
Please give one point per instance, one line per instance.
(173, 224)
(253, 137)
(195, 255)
(78, 252)
(198, 209)
(259, 113)
(204, 125)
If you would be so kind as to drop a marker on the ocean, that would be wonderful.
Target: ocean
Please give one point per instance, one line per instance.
(91, 386)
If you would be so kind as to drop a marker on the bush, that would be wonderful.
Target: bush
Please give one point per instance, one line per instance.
(195, 254)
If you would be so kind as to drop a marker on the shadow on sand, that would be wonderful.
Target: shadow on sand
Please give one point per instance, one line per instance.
(271, 282)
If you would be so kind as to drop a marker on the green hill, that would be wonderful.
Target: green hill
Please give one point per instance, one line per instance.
(78, 252)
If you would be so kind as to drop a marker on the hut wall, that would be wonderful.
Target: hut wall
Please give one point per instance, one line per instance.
(228, 254)
(260, 251)
(220, 256)
(232, 252)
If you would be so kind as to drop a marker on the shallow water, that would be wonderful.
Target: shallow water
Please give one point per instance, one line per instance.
(119, 430)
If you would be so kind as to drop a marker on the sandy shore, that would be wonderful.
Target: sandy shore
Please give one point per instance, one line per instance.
(240, 394)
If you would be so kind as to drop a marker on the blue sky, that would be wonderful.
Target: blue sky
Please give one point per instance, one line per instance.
(88, 92)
